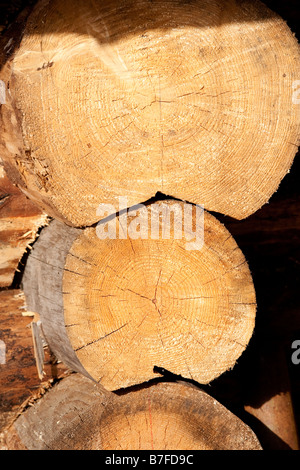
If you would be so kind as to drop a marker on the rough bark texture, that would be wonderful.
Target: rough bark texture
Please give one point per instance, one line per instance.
(42, 284)
(12, 28)
(18, 374)
(65, 419)
(78, 414)
(20, 221)
(128, 305)
(192, 99)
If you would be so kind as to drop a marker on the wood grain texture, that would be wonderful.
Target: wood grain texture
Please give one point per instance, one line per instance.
(192, 99)
(17, 368)
(123, 306)
(172, 416)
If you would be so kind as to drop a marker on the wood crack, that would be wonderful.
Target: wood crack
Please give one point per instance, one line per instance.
(102, 337)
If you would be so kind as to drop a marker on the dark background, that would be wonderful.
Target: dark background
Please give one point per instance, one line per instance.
(270, 241)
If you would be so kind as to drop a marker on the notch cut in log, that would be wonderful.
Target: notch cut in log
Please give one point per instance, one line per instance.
(113, 309)
(192, 99)
(163, 416)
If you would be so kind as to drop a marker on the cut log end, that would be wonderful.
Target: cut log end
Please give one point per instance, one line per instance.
(132, 304)
(172, 417)
(202, 89)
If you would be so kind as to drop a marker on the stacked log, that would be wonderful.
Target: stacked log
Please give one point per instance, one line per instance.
(164, 416)
(194, 100)
(122, 306)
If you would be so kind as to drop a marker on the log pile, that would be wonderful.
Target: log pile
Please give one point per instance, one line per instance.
(181, 109)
